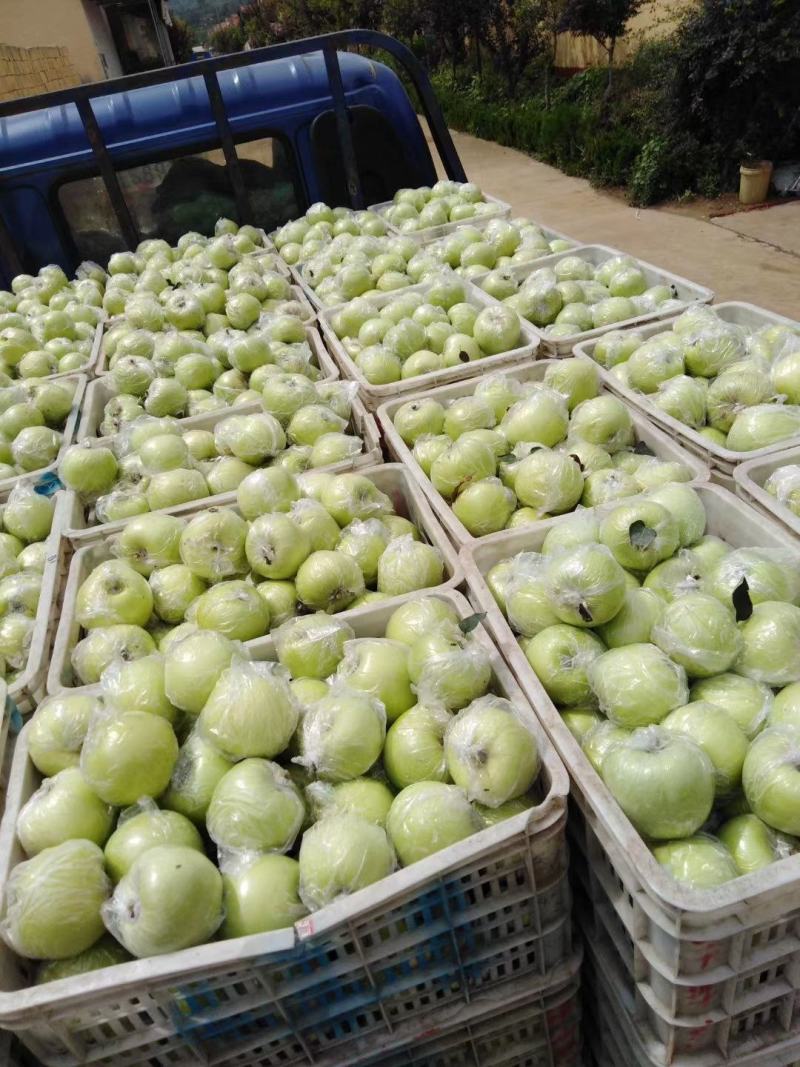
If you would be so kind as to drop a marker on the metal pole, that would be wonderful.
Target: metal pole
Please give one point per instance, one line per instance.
(228, 147)
(105, 165)
(343, 127)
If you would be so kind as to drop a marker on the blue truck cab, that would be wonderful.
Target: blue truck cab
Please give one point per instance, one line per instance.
(162, 138)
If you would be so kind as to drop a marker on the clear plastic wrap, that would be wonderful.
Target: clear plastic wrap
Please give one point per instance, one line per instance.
(663, 782)
(683, 398)
(52, 903)
(114, 593)
(27, 514)
(255, 807)
(771, 648)
(311, 646)
(698, 632)
(655, 361)
(57, 730)
(605, 421)
(499, 391)
(353, 496)
(428, 816)
(784, 485)
(763, 425)
(525, 593)
(491, 752)
(640, 534)
(251, 438)
(370, 798)
(334, 447)
(342, 734)
(170, 899)
(320, 526)
(328, 581)
(128, 755)
(748, 702)
(378, 666)
(700, 861)
(212, 545)
(771, 778)
(449, 667)
(561, 657)
(541, 416)
(142, 826)
(101, 647)
(550, 482)
(365, 541)
(712, 346)
(585, 586)
(739, 387)
(251, 710)
(260, 893)
(749, 576)
(719, 736)
(637, 685)
(753, 844)
(138, 685)
(338, 395)
(63, 808)
(192, 667)
(339, 855)
(407, 565)
(676, 577)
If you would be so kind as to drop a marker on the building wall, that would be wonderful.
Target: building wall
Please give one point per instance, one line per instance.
(655, 20)
(62, 24)
(28, 71)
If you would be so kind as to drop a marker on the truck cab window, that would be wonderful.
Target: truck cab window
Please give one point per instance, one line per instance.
(188, 192)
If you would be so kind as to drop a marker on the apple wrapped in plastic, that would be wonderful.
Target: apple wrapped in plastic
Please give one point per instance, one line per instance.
(491, 752)
(771, 778)
(698, 632)
(379, 667)
(449, 667)
(369, 798)
(192, 667)
(342, 734)
(103, 645)
(128, 755)
(196, 774)
(113, 594)
(428, 816)
(562, 657)
(701, 861)
(144, 826)
(259, 894)
(663, 782)
(52, 902)
(57, 730)
(170, 899)
(747, 701)
(255, 807)
(637, 685)
(771, 644)
(339, 855)
(62, 808)
(250, 711)
(719, 736)
(312, 646)
(586, 586)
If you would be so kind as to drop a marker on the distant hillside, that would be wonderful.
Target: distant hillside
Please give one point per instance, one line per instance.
(203, 14)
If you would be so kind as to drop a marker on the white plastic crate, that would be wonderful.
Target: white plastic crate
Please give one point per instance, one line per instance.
(375, 395)
(750, 477)
(684, 290)
(659, 443)
(483, 221)
(94, 546)
(723, 461)
(361, 424)
(500, 210)
(486, 911)
(617, 1033)
(99, 392)
(704, 956)
(67, 434)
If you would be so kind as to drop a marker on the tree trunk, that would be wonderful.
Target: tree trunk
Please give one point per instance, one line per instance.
(610, 49)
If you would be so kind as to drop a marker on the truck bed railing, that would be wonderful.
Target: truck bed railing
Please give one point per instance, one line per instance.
(330, 44)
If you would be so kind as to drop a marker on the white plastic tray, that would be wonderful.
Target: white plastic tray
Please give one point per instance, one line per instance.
(67, 434)
(375, 395)
(489, 909)
(722, 460)
(99, 392)
(686, 291)
(694, 953)
(658, 442)
(750, 478)
(93, 546)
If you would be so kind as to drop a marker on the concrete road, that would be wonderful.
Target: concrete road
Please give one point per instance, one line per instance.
(744, 265)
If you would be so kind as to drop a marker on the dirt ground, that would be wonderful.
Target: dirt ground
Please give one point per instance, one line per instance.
(752, 256)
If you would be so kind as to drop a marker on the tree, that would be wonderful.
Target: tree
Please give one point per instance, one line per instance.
(514, 33)
(181, 38)
(603, 20)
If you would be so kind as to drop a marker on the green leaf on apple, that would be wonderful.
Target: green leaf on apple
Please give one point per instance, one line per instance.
(466, 626)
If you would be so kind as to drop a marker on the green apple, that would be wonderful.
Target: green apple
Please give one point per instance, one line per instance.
(581, 720)
(576, 379)
(605, 421)
(174, 589)
(367, 797)
(339, 855)
(491, 752)
(540, 417)
(785, 711)
(749, 702)
(27, 514)
(771, 643)
(113, 594)
(52, 902)
(549, 482)
(763, 574)
(163, 452)
(276, 546)
(379, 667)
(104, 953)
(719, 736)
(637, 685)
(250, 711)
(138, 685)
(527, 603)
(57, 730)
(752, 843)
(701, 862)
(364, 541)
(150, 541)
(663, 782)
(407, 565)
(195, 776)
(353, 496)
(633, 624)
(640, 534)
(698, 632)
(317, 524)
(428, 816)
(599, 740)
(261, 895)
(561, 657)
(62, 808)
(497, 329)
(255, 807)
(311, 646)
(328, 581)
(87, 470)
(192, 666)
(105, 644)
(418, 417)
(585, 587)
(419, 617)
(342, 735)
(771, 778)
(232, 608)
(128, 755)
(448, 667)
(144, 827)
(266, 491)
(170, 899)
(576, 529)
(686, 507)
(674, 578)
(213, 544)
